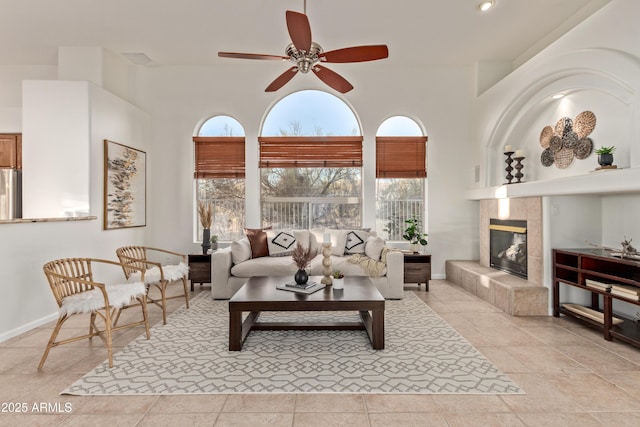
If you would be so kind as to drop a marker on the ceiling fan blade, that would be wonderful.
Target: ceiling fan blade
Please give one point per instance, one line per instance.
(299, 30)
(332, 79)
(356, 54)
(282, 79)
(250, 56)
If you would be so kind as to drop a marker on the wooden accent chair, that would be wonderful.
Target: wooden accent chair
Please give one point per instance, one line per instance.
(134, 258)
(76, 291)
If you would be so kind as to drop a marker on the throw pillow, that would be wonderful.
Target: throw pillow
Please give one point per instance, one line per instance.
(258, 241)
(316, 236)
(356, 240)
(302, 238)
(240, 250)
(281, 242)
(373, 247)
(338, 241)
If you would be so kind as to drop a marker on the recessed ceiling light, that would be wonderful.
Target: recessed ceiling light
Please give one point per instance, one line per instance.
(558, 96)
(486, 5)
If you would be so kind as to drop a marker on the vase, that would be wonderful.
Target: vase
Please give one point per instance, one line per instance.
(301, 277)
(605, 159)
(206, 240)
(414, 247)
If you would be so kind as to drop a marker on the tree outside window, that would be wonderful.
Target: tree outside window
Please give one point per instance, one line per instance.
(226, 194)
(398, 196)
(311, 197)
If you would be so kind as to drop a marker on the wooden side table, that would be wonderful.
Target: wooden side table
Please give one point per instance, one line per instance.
(199, 269)
(417, 268)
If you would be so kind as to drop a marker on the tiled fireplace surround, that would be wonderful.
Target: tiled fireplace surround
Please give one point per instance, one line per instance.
(511, 294)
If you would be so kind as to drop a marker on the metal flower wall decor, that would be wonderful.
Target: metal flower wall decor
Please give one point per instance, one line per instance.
(567, 140)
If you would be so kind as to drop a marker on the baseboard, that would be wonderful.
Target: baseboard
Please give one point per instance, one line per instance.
(27, 327)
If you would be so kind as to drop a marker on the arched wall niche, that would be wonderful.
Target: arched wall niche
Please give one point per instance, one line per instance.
(601, 80)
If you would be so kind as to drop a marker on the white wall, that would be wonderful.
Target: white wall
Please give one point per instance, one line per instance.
(55, 176)
(27, 300)
(179, 98)
(11, 78)
(598, 66)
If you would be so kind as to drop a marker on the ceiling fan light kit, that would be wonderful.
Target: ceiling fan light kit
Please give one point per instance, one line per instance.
(307, 55)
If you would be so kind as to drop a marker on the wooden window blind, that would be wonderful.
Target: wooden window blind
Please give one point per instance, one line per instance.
(311, 152)
(401, 157)
(219, 157)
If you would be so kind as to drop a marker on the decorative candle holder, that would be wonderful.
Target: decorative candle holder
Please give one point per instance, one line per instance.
(509, 168)
(518, 175)
(326, 264)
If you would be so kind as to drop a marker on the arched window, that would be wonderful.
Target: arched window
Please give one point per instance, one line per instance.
(310, 163)
(400, 176)
(219, 172)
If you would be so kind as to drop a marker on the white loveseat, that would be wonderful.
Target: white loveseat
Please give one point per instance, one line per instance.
(354, 253)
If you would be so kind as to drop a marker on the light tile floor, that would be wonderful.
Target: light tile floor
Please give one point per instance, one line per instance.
(570, 374)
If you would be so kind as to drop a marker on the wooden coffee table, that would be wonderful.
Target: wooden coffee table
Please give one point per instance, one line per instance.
(260, 294)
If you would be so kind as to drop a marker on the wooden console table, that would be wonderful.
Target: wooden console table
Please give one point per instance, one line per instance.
(417, 268)
(578, 267)
(199, 269)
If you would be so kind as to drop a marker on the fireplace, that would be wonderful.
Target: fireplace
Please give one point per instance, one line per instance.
(508, 246)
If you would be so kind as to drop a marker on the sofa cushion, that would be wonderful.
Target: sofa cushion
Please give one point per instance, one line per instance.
(240, 250)
(265, 266)
(373, 247)
(356, 240)
(281, 242)
(258, 241)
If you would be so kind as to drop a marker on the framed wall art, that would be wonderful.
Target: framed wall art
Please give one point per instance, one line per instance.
(125, 188)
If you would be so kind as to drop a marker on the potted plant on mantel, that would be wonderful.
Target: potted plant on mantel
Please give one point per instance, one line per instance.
(605, 155)
(414, 234)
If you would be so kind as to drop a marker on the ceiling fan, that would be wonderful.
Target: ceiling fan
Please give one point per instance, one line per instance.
(307, 55)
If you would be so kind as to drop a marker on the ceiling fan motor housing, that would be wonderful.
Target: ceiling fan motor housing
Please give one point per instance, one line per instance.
(304, 60)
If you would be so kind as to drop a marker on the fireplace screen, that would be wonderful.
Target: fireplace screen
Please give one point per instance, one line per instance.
(508, 246)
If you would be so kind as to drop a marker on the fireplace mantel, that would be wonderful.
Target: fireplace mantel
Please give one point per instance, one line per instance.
(594, 183)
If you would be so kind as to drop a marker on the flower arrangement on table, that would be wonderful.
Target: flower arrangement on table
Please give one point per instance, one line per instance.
(205, 212)
(302, 258)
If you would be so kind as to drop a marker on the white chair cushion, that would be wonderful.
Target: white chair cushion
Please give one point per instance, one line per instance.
(171, 272)
(87, 302)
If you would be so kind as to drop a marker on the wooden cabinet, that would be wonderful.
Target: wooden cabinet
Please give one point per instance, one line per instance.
(199, 269)
(417, 268)
(11, 151)
(588, 269)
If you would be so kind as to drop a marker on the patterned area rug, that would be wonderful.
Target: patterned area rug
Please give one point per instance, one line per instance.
(422, 354)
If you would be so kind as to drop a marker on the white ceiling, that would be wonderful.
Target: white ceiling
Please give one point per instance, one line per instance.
(191, 32)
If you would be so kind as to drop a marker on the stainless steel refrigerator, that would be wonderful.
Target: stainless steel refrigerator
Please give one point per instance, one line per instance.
(10, 193)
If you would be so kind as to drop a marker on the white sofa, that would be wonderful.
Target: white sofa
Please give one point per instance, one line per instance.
(232, 266)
